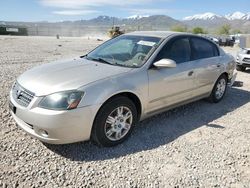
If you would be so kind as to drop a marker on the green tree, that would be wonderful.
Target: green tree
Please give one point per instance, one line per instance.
(225, 29)
(198, 30)
(237, 31)
(179, 28)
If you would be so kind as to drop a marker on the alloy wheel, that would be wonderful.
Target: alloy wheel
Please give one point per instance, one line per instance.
(220, 88)
(118, 123)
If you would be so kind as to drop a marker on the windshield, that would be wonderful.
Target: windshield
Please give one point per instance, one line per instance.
(126, 50)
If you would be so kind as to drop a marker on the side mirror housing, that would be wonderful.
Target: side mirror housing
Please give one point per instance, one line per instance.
(165, 63)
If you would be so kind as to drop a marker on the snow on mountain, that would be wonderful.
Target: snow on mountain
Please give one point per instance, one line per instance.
(211, 16)
(136, 17)
(235, 16)
(247, 16)
(205, 16)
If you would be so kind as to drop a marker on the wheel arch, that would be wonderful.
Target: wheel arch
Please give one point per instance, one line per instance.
(130, 95)
(222, 73)
(133, 97)
(226, 74)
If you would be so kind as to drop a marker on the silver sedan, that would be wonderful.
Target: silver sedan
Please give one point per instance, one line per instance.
(102, 95)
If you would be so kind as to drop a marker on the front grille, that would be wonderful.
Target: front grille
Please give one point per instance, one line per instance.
(21, 95)
(245, 65)
(246, 59)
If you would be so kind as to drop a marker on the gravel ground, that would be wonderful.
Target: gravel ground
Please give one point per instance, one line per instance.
(196, 145)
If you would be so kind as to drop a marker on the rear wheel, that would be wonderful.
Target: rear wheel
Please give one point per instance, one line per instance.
(114, 122)
(219, 89)
(240, 68)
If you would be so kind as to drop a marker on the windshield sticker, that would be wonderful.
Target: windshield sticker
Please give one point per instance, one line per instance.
(146, 43)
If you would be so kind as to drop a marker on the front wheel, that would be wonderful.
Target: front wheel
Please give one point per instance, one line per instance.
(114, 122)
(219, 89)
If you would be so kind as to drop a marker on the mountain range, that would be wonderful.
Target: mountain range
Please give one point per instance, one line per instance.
(212, 16)
(209, 21)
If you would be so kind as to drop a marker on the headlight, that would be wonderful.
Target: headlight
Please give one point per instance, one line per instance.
(66, 100)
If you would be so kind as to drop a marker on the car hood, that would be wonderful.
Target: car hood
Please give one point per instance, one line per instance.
(245, 55)
(66, 75)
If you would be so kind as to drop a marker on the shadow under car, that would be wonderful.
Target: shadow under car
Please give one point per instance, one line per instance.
(160, 129)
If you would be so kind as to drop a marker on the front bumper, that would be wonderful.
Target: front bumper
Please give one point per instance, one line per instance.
(55, 127)
(242, 63)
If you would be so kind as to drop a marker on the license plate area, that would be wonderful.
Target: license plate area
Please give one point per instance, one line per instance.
(12, 107)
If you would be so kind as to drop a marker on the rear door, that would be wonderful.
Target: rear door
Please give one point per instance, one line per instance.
(206, 64)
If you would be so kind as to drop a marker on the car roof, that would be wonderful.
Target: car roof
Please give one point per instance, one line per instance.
(160, 34)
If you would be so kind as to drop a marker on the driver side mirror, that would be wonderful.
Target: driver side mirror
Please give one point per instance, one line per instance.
(165, 63)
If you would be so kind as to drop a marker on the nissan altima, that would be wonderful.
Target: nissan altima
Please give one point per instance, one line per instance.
(100, 96)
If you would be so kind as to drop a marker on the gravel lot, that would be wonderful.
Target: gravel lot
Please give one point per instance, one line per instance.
(197, 145)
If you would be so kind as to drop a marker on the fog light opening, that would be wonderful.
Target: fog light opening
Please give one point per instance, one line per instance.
(44, 133)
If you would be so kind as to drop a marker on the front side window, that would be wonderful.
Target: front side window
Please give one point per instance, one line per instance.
(203, 49)
(126, 50)
(178, 50)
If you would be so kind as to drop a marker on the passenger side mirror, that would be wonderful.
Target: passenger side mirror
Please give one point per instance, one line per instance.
(165, 63)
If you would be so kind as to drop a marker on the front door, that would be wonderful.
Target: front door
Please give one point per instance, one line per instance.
(168, 86)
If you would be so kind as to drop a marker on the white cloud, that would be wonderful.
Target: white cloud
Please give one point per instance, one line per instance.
(148, 11)
(155, 11)
(74, 12)
(78, 4)
(84, 7)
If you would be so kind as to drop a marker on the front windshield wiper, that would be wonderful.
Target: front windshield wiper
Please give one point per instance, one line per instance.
(82, 56)
(102, 60)
(99, 59)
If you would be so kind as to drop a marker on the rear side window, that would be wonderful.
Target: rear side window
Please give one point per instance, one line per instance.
(203, 49)
(178, 50)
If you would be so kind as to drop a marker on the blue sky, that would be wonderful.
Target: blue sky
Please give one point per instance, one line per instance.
(59, 10)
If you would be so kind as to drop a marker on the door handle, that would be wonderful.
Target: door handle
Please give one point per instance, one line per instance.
(218, 65)
(190, 73)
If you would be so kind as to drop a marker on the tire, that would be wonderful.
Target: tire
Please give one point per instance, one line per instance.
(240, 68)
(114, 122)
(219, 89)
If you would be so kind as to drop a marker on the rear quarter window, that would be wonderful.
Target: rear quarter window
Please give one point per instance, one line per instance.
(203, 49)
